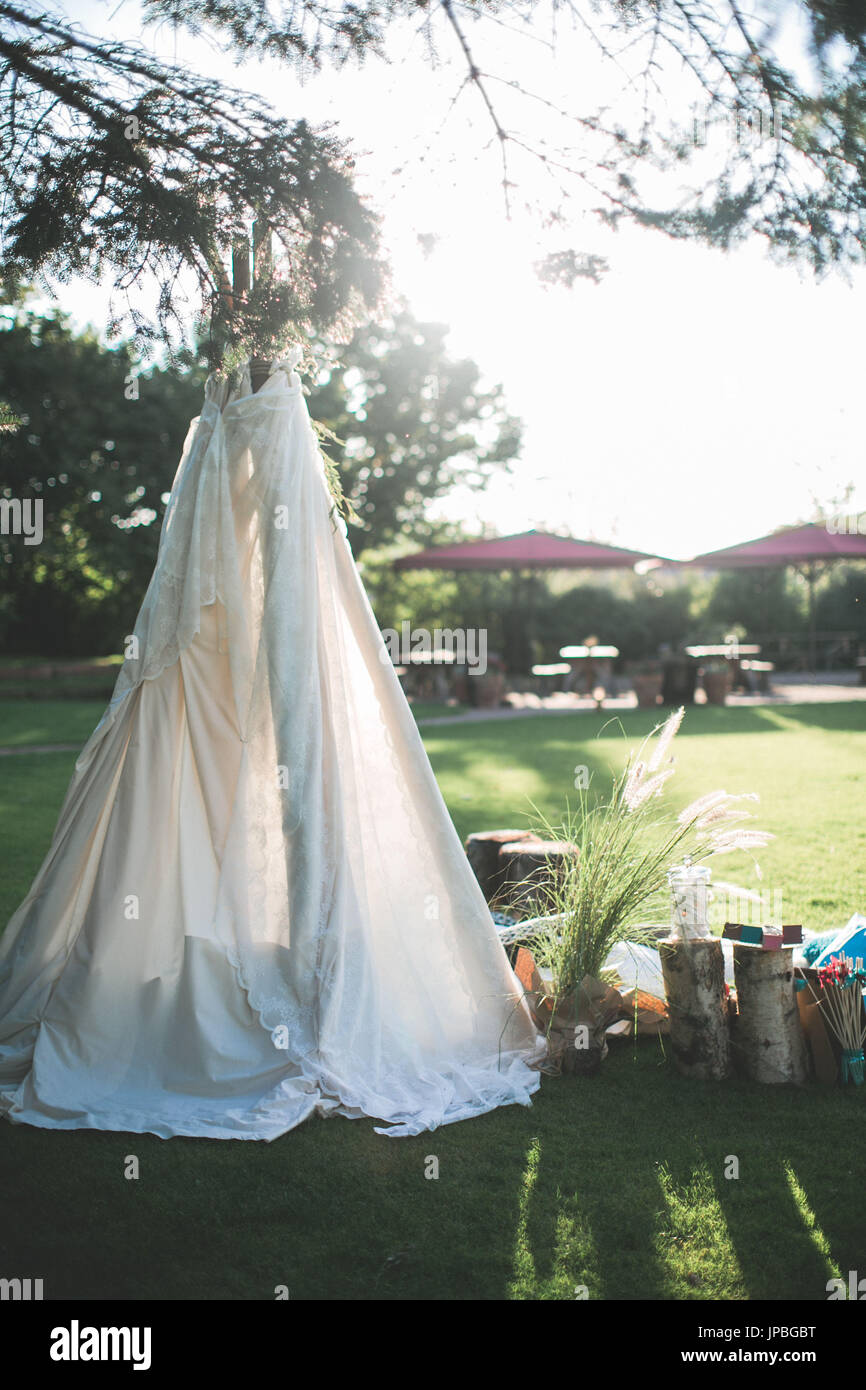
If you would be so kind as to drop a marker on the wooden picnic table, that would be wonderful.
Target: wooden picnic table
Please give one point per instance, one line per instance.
(729, 650)
(592, 668)
(741, 657)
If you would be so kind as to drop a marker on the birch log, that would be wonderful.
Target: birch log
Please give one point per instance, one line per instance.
(768, 1037)
(694, 976)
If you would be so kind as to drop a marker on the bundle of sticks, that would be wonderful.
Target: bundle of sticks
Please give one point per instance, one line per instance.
(841, 1003)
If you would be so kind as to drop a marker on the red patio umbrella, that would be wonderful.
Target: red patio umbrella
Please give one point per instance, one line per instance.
(807, 548)
(528, 550)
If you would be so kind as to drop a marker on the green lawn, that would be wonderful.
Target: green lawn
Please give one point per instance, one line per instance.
(63, 684)
(435, 709)
(806, 762)
(615, 1182)
(25, 722)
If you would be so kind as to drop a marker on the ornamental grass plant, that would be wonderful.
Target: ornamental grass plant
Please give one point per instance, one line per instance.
(627, 840)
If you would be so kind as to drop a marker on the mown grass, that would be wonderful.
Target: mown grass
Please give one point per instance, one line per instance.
(57, 680)
(806, 762)
(24, 722)
(616, 1183)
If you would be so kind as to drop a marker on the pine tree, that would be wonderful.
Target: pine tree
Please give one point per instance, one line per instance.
(114, 162)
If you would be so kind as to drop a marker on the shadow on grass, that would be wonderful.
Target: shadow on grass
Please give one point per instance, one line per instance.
(843, 718)
(849, 716)
(614, 1183)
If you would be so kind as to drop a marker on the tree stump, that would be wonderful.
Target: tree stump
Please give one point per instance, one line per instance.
(694, 976)
(531, 869)
(768, 1038)
(482, 850)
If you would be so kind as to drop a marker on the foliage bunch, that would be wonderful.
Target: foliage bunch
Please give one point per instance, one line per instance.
(116, 164)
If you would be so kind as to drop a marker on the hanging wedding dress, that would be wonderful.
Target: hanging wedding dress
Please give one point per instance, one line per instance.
(255, 905)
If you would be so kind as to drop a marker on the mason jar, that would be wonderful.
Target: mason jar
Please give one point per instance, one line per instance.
(690, 887)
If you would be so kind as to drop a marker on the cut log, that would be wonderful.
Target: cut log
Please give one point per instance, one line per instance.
(482, 850)
(531, 869)
(769, 1045)
(694, 976)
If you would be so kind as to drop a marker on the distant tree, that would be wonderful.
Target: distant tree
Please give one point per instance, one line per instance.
(628, 617)
(414, 423)
(423, 598)
(760, 601)
(116, 164)
(101, 464)
(840, 604)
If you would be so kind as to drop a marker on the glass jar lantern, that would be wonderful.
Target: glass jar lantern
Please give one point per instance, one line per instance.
(690, 885)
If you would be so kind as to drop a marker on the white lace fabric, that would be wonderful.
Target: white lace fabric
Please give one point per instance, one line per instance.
(255, 905)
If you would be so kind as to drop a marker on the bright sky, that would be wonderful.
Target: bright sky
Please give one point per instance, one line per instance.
(689, 401)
